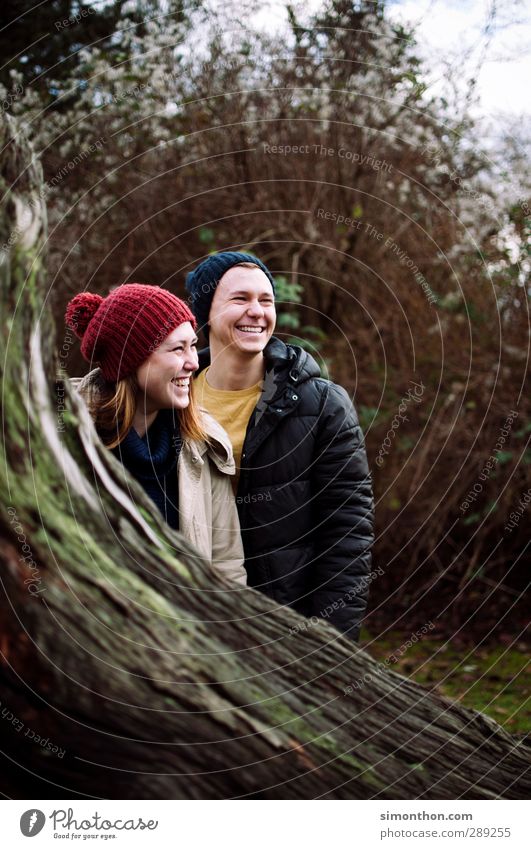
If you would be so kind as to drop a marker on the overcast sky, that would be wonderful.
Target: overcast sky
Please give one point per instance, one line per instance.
(458, 31)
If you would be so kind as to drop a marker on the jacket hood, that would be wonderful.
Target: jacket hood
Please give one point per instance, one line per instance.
(299, 363)
(89, 387)
(218, 447)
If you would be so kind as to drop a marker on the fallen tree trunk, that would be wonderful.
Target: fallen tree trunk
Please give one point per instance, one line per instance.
(129, 669)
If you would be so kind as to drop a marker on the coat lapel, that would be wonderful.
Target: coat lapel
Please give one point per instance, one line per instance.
(189, 470)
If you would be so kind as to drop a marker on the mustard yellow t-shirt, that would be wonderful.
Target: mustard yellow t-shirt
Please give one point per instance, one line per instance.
(232, 409)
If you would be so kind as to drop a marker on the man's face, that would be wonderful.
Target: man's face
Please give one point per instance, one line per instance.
(242, 315)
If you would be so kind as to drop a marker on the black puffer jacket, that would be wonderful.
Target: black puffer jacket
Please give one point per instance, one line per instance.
(305, 494)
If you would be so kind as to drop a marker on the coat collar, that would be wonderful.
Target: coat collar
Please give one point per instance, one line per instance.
(276, 352)
(285, 364)
(217, 446)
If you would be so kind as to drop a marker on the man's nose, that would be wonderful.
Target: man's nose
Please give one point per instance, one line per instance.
(255, 308)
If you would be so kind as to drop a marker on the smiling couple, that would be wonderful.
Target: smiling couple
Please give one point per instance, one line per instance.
(257, 421)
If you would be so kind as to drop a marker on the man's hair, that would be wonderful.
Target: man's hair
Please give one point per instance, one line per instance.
(246, 265)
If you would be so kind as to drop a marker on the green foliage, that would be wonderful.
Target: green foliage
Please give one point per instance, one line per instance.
(288, 321)
(207, 237)
(504, 456)
(476, 677)
(288, 297)
(287, 292)
(367, 416)
(523, 431)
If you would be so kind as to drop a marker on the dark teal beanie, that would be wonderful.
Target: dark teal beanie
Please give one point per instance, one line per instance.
(202, 282)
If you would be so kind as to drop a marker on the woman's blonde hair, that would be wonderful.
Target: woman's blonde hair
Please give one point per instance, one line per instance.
(115, 408)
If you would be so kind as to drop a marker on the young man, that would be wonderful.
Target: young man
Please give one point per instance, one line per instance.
(304, 490)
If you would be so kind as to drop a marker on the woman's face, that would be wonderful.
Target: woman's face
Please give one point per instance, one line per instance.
(164, 378)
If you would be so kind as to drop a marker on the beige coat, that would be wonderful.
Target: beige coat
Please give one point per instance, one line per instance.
(208, 517)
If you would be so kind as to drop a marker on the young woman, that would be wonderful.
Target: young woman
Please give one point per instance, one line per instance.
(142, 339)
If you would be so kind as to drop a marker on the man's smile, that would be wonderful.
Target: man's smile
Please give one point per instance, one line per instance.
(250, 328)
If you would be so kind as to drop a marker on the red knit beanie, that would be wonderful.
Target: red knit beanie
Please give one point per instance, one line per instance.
(120, 331)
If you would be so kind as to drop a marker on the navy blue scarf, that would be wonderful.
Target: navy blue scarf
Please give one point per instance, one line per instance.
(152, 460)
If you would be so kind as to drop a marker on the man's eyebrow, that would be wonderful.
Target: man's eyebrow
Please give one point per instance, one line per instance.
(245, 293)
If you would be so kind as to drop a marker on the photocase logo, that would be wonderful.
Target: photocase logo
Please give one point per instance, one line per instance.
(31, 822)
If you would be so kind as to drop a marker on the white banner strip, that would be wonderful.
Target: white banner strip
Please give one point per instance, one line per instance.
(266, 824)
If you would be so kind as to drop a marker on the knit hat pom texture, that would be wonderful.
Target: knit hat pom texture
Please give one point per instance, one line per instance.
(81, 310)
